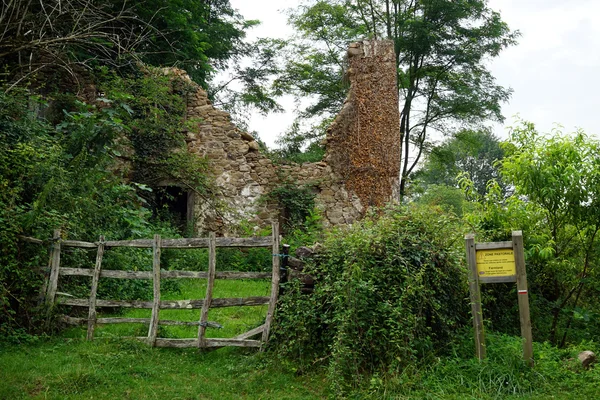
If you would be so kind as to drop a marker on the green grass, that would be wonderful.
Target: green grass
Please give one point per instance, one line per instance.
(556, 375)
(110, 369)
(64, 368)
(68, 367)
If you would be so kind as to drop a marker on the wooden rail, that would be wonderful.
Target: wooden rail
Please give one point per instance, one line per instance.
(52, 296)
(119, 274)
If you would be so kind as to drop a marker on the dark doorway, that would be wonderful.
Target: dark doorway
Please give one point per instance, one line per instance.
(173, 205)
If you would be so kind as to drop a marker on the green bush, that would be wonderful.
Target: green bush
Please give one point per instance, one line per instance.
(296, 202)
(67, 172)
(390, 290)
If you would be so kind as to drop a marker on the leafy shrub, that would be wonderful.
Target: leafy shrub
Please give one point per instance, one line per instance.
(390, 290)
(67, 173)
(555, 203)
(296, 202)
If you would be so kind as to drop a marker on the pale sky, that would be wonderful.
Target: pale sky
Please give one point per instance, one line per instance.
(553, 70)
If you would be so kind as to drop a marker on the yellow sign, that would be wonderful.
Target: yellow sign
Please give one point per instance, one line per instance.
(496, 263)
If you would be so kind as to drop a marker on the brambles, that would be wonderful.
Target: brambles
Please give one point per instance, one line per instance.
(389, 292)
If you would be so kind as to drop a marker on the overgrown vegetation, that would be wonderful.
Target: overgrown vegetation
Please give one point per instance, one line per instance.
(389, 293)
(296, 203)
(67, 172)
(89, 135)
(555, 178)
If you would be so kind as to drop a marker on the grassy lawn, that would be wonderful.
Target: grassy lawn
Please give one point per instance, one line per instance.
(108, 369)
(65, 368)
(68, 367)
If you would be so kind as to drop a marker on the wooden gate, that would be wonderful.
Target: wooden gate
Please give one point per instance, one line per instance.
(52, 296)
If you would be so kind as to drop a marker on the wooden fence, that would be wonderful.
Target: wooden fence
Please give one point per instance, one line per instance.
(52, 296)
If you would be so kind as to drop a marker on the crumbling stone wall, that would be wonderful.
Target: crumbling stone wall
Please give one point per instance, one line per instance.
(363, 143)
(360, 168)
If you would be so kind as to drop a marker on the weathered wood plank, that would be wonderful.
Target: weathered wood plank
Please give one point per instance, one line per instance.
(251, 332)
(475, 297)
(232, 343)
(118, 274)
(523, 297)
(78, 243)
(212, 261)
(176, 343)
(274, 284)
(76, 272)
(117, 320)
(106, 303)
(105, 273)
(261, 241)
(54, 268)
(171, 304)
(94, 290)
(218, 275)
(153, 328)
(497, 279)
(194, 243)
(183, 343)
(30, 239)
(136, 243)
(242, 275)
(145, 321)
(493, 245)
(239, 301)
(191, 243)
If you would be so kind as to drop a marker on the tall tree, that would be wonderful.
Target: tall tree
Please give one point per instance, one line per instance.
(199, 36)
(560, 175)
(441, 50)
(472, 152)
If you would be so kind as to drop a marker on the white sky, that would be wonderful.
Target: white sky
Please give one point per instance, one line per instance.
(554, 70)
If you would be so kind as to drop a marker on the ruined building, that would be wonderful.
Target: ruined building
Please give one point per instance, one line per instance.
(360, 168)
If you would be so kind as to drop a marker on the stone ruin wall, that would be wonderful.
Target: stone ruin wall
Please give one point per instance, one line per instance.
(360, 168)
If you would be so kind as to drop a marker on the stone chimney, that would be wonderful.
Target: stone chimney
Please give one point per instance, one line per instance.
(363, 143)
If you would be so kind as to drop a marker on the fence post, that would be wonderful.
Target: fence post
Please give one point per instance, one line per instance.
(94, 290)
(212, 262)
(284, 267)
(54, 269)
(475, 297)
(153, 329)
(274, 285)
(523, 297)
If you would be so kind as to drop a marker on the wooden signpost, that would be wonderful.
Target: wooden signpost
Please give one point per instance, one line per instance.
(498, 262)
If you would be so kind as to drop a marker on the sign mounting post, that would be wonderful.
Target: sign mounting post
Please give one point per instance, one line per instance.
(499, 262)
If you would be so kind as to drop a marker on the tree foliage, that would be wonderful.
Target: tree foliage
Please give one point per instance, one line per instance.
(441, 52)
(556, 204)
(55, 34)
(68, 172)
(474, 153)
(198, 36)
